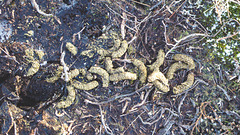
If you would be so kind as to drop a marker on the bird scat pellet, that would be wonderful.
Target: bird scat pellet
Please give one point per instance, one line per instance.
(117, 44)
(85, 86)
(56, 76)
(29, 53)
(160, 86)
(33, 69)
(71, 48)
(69, 99)
(39, 53)
(186, 59)
(185, 85)
(109, 67)
(158, 62)
(103, 73)
(72, 74)
(157, 75)
(123, 76)
(174, 67)
(142, 68)
(122, 49)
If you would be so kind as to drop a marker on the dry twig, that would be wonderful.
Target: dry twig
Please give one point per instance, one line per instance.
(65, 68)
(8, 55)
(106, 127)
(36, 6)
(147, 86)
(144, 100)
(225, 92)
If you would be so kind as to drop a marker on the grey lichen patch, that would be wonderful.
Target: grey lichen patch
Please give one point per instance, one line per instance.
(56, 76)
(122, 49)
(142, 68)
(160, 86)
(33, 69)
(109, 67)
(85, 86)
(71, 48)
(157, 75)
(174, 67)
(103, 73)
(159, 61)
(123, 76)
(186, 59)
(185, 85)
(69, 99)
